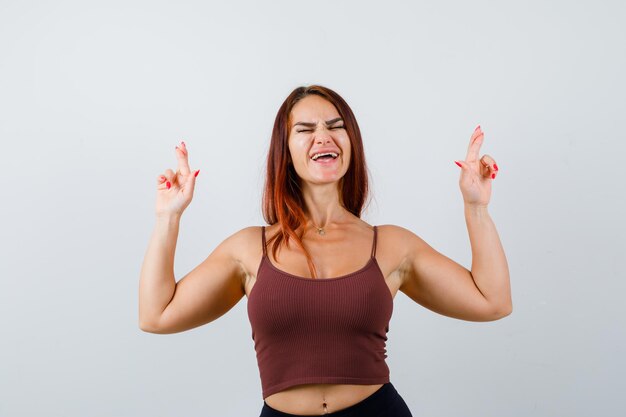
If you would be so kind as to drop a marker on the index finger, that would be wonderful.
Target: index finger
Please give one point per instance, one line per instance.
(474, 146)
(183, 162)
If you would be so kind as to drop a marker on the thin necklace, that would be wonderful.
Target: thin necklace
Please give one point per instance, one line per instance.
(320, 230)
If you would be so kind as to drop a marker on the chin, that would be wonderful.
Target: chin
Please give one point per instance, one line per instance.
(327, 180)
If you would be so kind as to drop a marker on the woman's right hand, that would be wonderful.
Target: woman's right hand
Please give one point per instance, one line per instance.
(175, 189)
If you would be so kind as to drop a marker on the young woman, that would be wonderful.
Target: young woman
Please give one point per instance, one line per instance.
(320, 281)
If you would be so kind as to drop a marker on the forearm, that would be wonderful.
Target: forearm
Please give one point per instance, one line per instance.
(157, 282)
(489, 265)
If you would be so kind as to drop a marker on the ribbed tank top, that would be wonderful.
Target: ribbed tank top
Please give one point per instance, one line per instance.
(324, 330)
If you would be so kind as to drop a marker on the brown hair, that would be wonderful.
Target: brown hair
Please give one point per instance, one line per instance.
(282, 197)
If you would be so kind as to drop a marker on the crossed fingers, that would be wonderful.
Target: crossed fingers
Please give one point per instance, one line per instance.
(183, 162)
(169, 177)
(488, 166)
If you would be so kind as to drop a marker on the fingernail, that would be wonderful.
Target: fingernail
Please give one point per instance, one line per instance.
(162, 178)
(196, 174)
(168, 185)
(495, 167)
(477, 127)
(458, 164)
(493, 176)
(183, 143)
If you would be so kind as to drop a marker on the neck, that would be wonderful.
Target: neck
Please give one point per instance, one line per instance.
(323, 207)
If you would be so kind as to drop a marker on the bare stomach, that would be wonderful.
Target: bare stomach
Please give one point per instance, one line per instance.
(319, 399)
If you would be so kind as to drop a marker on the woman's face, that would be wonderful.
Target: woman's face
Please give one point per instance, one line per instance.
(316, 127)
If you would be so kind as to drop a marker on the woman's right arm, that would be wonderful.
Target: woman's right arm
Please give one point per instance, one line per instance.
(203, 295)
(157, 282)
(207, 292)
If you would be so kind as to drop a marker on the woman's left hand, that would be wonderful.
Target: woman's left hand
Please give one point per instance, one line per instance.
(476, 175)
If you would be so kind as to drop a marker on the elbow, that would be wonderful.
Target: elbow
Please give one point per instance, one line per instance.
(155, 327)
(148, 327)
(144, 327)
(503, 311)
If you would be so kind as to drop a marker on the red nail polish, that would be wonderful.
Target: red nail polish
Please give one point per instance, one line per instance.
(493, 176)
(477, 127)
(495, 167)
(458, 164)
(168, 185)
(183, 143)
(196, 174)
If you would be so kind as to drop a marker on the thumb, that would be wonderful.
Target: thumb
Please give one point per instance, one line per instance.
(192, 178)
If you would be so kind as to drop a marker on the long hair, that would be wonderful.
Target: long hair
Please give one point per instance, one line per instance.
(282, 197)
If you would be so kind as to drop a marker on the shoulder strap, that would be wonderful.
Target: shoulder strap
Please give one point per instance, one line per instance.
(374, 244)
(263, 240)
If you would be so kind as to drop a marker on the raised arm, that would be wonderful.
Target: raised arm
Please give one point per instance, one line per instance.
(444, 286)
(204, 294)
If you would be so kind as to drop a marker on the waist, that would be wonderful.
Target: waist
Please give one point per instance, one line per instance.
(309, 399)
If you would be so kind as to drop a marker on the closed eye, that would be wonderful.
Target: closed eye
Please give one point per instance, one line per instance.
(309, 130)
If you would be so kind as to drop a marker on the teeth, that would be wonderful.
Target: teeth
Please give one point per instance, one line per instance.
(317, 155)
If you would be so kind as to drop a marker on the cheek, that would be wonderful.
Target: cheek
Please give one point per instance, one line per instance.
(293, 150)
(297, 155)
(347, 147)
(294, 144)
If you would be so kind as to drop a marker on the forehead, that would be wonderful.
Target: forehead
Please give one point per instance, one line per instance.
(313, 108)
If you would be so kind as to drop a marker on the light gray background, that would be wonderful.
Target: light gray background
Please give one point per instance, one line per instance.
(94, 97)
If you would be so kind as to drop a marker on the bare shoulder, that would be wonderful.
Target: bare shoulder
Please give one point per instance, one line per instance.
(397, 247)
(245, 247)
(397, 238)
(243, 240)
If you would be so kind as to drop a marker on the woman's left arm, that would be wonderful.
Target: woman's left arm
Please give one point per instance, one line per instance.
(489, 267)
(490, 270)
(441, 284)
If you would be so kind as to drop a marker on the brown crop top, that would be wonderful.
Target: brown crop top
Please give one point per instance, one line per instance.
(320, 330)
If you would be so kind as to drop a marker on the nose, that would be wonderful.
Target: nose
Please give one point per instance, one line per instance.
(322, 135)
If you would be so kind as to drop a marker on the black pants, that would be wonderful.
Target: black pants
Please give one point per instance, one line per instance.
(386, 402)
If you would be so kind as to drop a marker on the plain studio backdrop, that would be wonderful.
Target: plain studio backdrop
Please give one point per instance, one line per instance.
(94, 96)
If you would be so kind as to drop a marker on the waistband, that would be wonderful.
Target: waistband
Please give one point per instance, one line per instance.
(379, 401)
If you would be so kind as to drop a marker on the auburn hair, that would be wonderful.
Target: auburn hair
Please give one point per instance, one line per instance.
(283, 202)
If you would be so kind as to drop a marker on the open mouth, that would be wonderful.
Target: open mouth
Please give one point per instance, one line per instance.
(325, 158)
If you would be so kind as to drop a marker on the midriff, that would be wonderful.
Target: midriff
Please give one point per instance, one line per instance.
(309, 399)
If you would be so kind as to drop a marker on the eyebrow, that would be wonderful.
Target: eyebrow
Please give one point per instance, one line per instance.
(328, 122)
